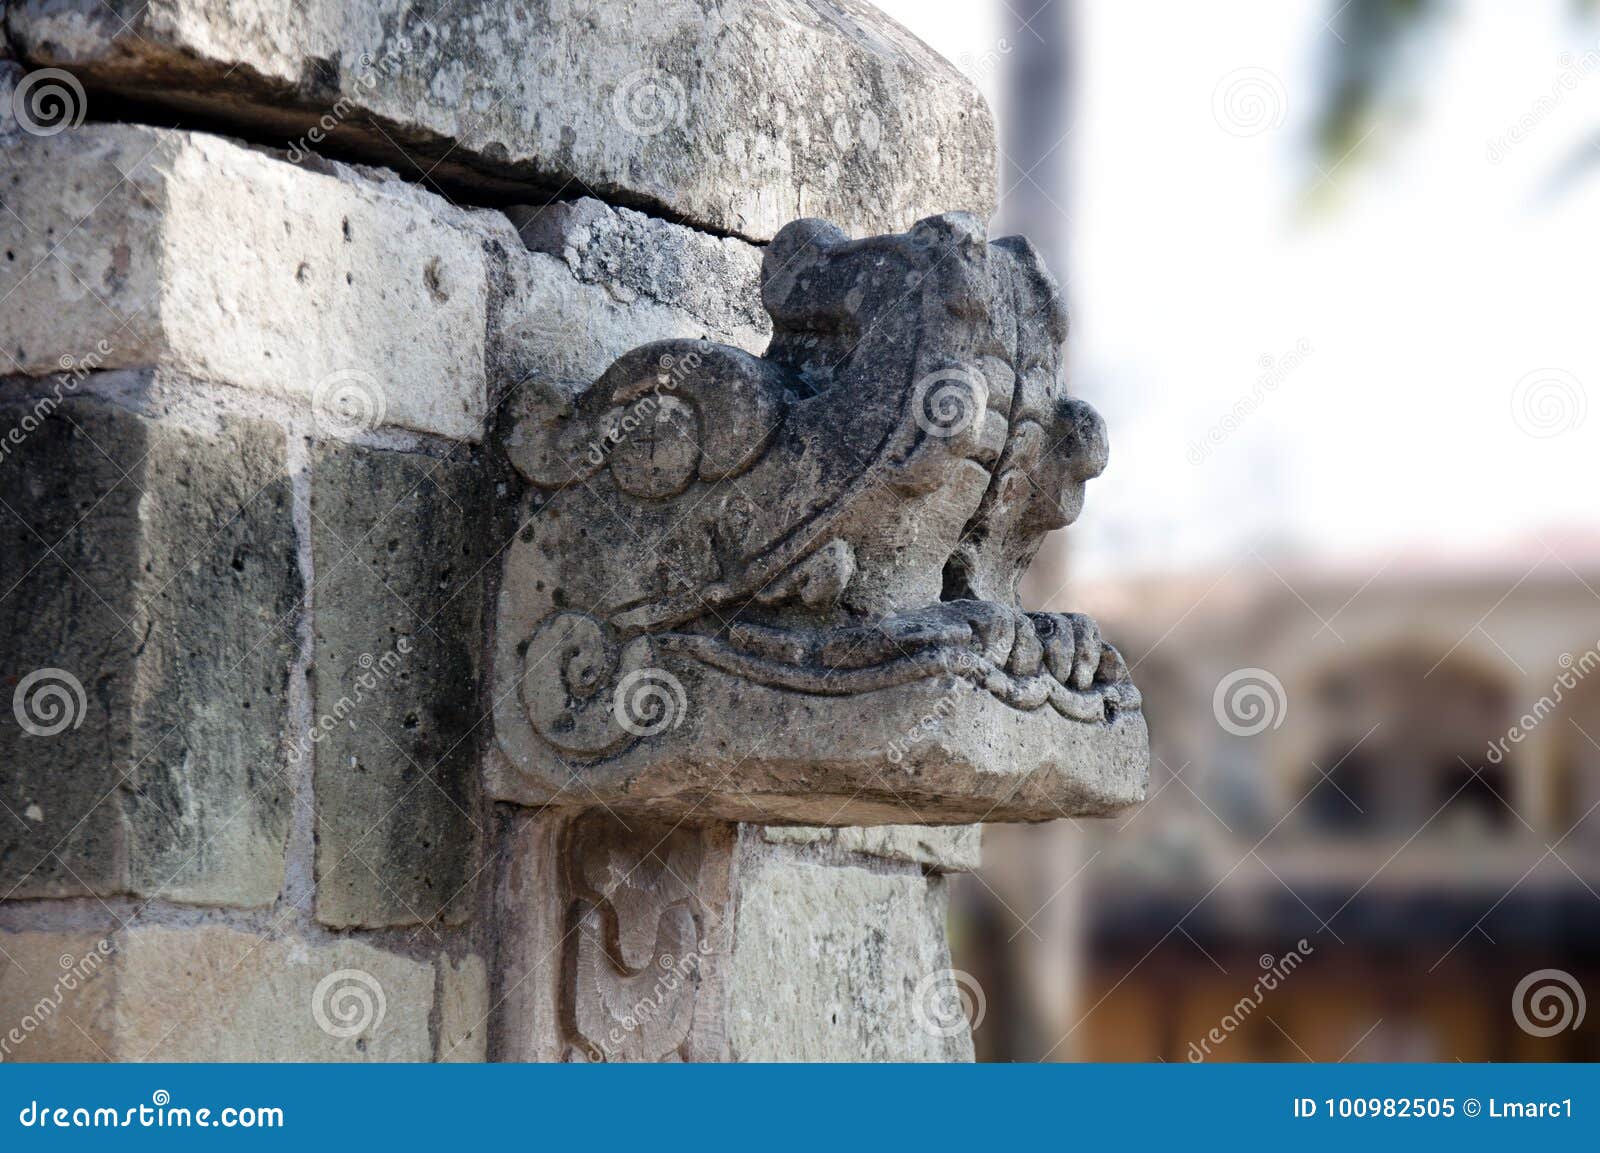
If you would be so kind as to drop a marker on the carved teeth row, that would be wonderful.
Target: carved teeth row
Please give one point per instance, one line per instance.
(1068, 645)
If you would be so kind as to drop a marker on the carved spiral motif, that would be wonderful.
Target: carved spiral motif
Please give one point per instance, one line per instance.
(583, 692)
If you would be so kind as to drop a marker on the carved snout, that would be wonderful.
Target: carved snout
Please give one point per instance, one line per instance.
(1082, 451)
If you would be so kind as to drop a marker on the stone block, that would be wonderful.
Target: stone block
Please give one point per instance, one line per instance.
(149, 590)
(736, 118)
(399, 544)
(944, 848)
(839, 963)
(219, 994)
(55, 996)
(362, 296)
(463, 1009)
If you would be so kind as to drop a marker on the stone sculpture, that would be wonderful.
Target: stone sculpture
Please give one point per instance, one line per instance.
(784, 588)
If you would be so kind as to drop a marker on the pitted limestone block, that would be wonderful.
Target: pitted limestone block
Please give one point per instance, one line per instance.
(737, 117)
(946, 849)
(10, 74)
(399, 543)
(152, 591)
(239, 268)
(837, 963)
(783, 589)
(55, 996)
(218, 994)
(633, 256)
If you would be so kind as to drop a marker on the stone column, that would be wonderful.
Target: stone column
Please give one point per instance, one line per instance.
(276, 783)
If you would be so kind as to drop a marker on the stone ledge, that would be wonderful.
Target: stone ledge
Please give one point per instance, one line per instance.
(138, 247)
(947, 848)
(737, 118)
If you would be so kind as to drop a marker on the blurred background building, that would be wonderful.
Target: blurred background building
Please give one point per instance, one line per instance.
(1327, 269)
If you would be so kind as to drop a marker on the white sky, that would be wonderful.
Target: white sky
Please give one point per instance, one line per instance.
(1435, 283)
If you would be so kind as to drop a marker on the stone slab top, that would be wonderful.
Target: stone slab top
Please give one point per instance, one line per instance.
(735, 117)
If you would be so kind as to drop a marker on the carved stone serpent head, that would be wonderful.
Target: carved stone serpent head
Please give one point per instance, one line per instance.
(784, 588)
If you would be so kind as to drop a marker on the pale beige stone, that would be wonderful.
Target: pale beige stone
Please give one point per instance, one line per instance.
(463, 1009)
(236, 267)
(218, 994)
(56, 993)
(829, 963)
(947, 848)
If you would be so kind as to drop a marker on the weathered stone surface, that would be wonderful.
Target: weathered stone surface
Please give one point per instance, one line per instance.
(784, 589)
(216, 994)
(952, 848)
(10, 74)
(603, 280)
(835, 963)
(463, 1009)
(638, 257)
(242, 269)
(738, 117)
(55, 996)
(150, 594)
(614, 939)
(399, 544)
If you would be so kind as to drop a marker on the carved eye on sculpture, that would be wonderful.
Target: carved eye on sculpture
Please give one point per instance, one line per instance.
(657, 446)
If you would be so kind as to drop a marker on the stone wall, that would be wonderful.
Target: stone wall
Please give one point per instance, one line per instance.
(253, 506)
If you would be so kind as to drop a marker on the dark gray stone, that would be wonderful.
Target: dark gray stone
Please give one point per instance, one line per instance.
(155, 567)
(399, 545)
